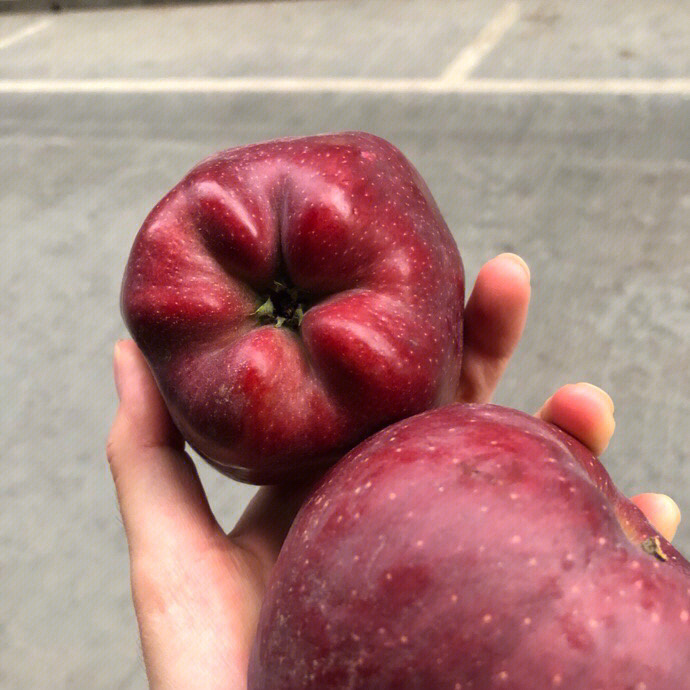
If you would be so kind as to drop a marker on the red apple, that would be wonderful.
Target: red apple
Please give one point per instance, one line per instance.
(473, 547)
(294, 296)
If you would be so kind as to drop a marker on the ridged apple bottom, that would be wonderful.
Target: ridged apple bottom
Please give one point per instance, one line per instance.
(294, 296)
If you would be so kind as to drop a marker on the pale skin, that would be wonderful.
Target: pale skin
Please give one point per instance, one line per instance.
(197, 590)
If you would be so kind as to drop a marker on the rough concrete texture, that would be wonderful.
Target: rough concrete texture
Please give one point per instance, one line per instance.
(592, 189)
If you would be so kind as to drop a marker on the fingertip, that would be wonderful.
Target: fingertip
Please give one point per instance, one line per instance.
(497, 308)
(515, 260)
(599, 393)
(507, 277)
(672, 507)
(672, 512)
(661, 511)
(585, 412)
(495, 317)
(673, 515)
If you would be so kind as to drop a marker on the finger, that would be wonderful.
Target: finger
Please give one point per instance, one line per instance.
(495, 318)
(584, 411)
(161, 499)
(661, 511)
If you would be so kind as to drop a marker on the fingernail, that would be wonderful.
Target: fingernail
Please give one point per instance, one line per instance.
(601, 393)
(117, 368)
(671, 516)
(519, 261)
(672, 508)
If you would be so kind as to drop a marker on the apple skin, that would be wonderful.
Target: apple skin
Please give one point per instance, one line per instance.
(346, 224)
(473, 547)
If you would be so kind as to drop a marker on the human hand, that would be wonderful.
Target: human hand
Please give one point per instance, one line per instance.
(197, 591)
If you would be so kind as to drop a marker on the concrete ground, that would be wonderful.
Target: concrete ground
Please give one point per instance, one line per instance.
(555, 129)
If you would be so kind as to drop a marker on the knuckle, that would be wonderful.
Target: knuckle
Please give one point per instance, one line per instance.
(111, 449)
(114, 441)
(152, 586)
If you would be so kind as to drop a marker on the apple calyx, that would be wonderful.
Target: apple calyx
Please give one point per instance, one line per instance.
(283, 307)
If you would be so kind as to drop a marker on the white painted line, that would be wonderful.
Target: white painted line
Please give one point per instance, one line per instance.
(27, 31)
(214, 85)
(240, 85)
(487, 39)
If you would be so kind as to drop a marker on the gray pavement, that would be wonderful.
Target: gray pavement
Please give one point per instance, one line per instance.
(590, 183)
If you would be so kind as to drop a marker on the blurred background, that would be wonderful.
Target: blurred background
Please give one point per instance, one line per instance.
(557, 130)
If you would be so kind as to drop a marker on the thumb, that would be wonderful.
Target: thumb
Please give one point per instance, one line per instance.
(163, 504)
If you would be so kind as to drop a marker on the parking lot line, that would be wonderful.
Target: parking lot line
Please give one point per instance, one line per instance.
(349, 85)
(487, 39)
(27, 31)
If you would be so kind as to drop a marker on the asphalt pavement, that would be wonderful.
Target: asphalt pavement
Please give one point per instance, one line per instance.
(557, 130)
